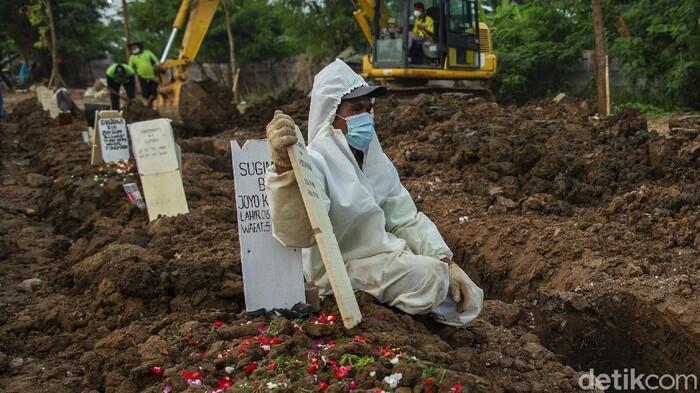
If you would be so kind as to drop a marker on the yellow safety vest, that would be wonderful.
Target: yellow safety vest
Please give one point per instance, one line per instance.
(426, 22)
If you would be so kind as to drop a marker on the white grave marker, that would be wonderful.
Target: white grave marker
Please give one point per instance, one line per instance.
(323, 233)
(96, 138)
(272, 274)
(114, 141)
(47, 100)
(156, 156)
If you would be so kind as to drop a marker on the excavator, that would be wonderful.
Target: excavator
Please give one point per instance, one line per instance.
(186, 103)
(460, 48)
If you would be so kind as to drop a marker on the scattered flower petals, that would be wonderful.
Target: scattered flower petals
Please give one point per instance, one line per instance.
(393, 380)
(352, 385)
(190, 375)
(360, 339)
(326, 319)
(272, 385)
(225, 382)
(271, 366)
(218, 324)
(194, 382)
(229, 370)
(341, 372)
(167, 388)
(313, 367)
(456, 388)
(323, 386)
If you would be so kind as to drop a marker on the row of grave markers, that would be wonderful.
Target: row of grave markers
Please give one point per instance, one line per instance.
(158, 159)
(272, 273)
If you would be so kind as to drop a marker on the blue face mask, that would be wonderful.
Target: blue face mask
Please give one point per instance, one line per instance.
(360, 130)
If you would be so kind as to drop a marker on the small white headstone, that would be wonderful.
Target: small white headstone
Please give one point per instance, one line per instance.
(114, 141)
(157, 161)
(272, 274)
(154, 146)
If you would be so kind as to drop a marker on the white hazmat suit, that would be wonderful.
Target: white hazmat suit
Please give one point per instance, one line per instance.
(391, 250)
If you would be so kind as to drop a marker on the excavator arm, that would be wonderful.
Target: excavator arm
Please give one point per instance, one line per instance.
(183, 102)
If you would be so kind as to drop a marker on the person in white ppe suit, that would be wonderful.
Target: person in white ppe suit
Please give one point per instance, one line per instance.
(391, 250)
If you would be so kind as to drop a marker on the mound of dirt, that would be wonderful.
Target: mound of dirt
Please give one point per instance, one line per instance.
(135, 110)
(30, 115)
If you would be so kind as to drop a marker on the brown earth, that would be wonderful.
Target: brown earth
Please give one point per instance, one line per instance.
(583, 234)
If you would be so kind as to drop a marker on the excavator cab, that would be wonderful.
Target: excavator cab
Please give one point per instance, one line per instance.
(459, 49)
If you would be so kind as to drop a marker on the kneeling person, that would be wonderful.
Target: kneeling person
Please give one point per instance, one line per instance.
(391, 250)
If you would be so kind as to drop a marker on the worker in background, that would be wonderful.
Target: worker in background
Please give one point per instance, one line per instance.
(391, 250)
(119, 75)
(144, 62)
(423, 27)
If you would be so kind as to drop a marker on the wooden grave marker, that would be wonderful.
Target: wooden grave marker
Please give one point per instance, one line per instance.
(323, 232)
(157, 161)
(273, 276)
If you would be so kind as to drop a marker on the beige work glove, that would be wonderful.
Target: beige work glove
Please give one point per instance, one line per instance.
(460, 288)
(280, 135)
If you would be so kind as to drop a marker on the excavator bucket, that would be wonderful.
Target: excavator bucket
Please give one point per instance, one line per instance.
(185, 102)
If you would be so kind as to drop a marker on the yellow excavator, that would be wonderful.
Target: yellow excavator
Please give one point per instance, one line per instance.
(186, 103)
(460, 48)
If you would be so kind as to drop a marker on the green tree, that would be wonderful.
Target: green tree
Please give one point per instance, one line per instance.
(537, 43)
(662, 49)
(321, 29)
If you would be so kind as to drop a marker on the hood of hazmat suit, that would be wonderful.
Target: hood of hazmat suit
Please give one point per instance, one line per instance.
(390, 249)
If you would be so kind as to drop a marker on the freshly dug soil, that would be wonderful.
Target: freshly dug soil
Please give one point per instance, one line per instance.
(581, 232)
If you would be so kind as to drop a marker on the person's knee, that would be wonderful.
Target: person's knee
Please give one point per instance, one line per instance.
(429, 276)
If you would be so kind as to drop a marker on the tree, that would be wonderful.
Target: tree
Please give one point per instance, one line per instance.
(233, 67)
(537, 44)
(661, 52)
(601, 61)
(41, 16)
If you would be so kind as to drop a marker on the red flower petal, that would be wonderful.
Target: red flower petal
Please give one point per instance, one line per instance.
(322, 386)
(224, 382)
(250, 367)
(218, 324)
(155, 370)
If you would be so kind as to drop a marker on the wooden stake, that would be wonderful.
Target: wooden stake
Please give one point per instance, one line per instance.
(323, 232)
